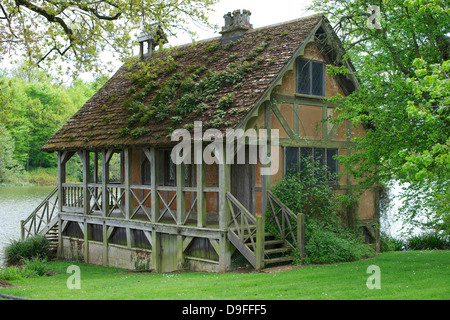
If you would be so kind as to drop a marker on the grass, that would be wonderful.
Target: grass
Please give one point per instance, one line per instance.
(404, 275)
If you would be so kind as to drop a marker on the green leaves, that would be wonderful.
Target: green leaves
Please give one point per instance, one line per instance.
(404, 95)
(69, 37)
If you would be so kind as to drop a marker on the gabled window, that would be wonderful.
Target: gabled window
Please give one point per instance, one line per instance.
(296, 160)
(311, 77)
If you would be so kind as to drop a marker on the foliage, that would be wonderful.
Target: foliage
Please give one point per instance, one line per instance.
(69, 36)
(428, 241)
(30, 268)
(34, 106)
(327, 239)
(402, 98)
(184, 92)
(10, 170)
(19, 251)
(389, 243)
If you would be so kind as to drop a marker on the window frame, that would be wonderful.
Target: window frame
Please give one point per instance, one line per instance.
(312, 154)
(310, 77)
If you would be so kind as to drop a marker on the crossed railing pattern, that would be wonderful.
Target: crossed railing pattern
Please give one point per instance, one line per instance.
(290, 226)
(243, 223)
(73, 201)
(43, 218)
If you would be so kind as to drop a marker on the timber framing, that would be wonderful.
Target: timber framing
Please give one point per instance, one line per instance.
(166, 217)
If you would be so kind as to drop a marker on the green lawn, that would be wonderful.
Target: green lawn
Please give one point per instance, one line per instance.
(404, 275)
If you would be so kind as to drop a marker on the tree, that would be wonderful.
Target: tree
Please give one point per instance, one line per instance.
(34, 106)
(10, 170)
(75, 32)
(403, 98)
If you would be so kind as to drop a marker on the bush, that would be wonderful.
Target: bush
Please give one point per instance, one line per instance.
(327, 243)
(389, 243)
(327, 239)
(428, 241)
(30, 268)
(35, 247)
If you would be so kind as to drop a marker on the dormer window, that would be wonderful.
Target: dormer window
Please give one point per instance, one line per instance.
(310, 77)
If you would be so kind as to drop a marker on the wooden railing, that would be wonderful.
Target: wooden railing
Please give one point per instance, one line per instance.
(291, 227)
(246, 232)
(72, 195)
(43, 218)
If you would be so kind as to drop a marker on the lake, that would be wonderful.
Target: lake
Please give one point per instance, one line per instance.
(16, 204)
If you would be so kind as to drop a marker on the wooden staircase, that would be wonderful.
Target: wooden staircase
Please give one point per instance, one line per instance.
(43, 221)
(52, 237)
(276, 251)
(246, 232)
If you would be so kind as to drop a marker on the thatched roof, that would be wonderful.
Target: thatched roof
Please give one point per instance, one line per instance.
(206, 81)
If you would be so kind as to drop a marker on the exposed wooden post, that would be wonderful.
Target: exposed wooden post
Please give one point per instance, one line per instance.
(156, 237)
(224, 211)
(181, 199)
(127, 165)
(86, 200)
(181, 208)
(105, 202)
(301, 234)
(61, 179)
(201, 197)
(156, 251)
(105, 178)
(154, 183)
(260, 235)
(86, 177)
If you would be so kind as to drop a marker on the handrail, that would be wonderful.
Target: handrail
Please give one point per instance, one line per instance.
(246, 226)
(241, 207)
(286, 217)
(40, 206)
(282, 205)
(45, 217)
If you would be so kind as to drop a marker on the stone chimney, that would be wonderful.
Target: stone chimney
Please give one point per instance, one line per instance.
(152, 39)
(236, 24)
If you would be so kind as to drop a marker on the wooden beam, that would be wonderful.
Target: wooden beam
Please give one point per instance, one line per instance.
(172, 229)
(127, 165)
(282, 120)
(181, 203)
(181, 209)
(85, 159)
(105, 179)
(154, 184)
(61, 181)
(224, 211)
(149, 237)
(201, 196)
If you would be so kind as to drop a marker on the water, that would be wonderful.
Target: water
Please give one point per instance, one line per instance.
(16, 204)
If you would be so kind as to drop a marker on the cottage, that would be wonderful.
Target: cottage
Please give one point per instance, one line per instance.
(167, 216)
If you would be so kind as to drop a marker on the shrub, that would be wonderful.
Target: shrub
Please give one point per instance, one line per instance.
(30, 268)
(428, 241)
(389, 243)
(19, 251)
(327, 239)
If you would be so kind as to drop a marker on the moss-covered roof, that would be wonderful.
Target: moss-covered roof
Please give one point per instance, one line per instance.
(217, 84)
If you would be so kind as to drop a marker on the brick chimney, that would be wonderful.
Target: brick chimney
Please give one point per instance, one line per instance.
(236, 24)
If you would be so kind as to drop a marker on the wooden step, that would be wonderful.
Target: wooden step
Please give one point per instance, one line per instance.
(274, 251)
(278, 260)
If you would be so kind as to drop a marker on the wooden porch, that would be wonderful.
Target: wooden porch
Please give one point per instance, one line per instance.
(166, 228)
